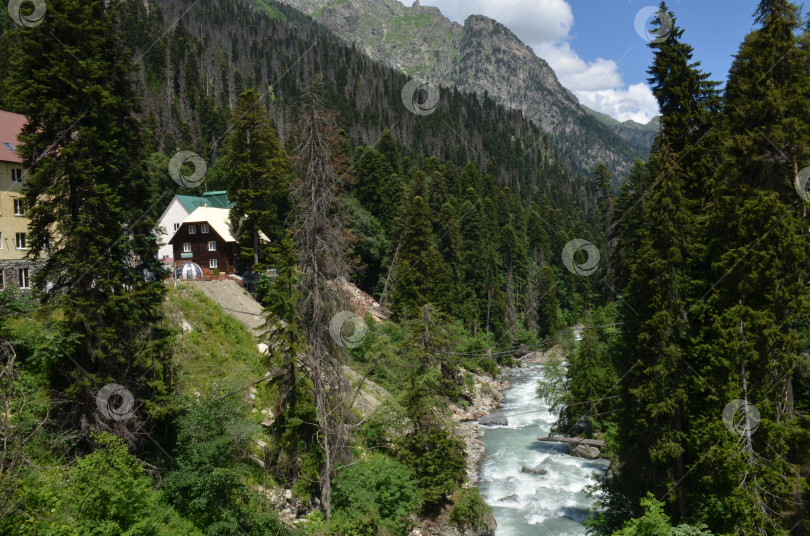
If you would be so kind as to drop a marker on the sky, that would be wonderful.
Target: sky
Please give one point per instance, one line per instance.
(596, 51)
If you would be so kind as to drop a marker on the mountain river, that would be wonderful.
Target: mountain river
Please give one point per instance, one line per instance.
(553, 504)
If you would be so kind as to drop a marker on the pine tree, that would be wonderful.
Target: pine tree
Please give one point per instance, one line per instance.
(258, 178)
(757, 301)
(658, 265)
(420, 265)
(88, 198)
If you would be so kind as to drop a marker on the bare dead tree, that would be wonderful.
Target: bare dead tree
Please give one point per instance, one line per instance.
(321, 258)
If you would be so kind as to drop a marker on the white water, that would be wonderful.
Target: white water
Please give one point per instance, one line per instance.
(553, 504)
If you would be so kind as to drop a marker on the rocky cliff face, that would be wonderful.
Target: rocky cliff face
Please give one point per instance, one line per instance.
(480, 56)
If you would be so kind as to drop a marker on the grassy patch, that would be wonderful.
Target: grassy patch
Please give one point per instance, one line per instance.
(219, 352)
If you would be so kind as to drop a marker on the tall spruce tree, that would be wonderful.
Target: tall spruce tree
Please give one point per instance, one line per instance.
(258, 178)
(657, 231)
(756, 302)
(87, 194)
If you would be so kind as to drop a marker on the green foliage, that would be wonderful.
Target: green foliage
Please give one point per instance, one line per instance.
(655, 522)
(258, 176)
(207, 485)
(436, 457)
(469, 509)
(89, 198)
(13, 302)
(374, 496)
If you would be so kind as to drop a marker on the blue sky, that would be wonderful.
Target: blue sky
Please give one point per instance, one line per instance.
(596, 51)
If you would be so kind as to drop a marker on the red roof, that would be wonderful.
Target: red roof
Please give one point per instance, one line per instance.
(10, 127)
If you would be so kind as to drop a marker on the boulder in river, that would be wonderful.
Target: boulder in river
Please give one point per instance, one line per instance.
(494, 419)
(584, 451)
(533, 470)
(512, 498)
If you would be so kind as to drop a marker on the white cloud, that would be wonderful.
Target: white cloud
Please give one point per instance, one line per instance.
(545, 25)
(637, 102)
(534, 21)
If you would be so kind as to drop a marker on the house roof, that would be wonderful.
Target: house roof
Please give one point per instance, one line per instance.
(217, 199)
(218, 219)
(10, 127)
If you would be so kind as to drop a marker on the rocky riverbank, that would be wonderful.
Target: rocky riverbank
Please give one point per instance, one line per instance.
(486, 398)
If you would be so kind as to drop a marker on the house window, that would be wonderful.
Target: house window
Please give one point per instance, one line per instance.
(16, 175)
(21, 244)
(192, 229)
(1, 240)
(18, 207)
(212, 245)
(186, 247)
(204, 228)
(24, 282)
(212, 263)
(176, 227)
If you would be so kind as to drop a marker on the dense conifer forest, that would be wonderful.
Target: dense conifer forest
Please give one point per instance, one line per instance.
(479, 242)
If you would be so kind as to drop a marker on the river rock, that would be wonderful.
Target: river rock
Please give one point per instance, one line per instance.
(584, 451)
(533, 470)
(512, 498)
(494, 419)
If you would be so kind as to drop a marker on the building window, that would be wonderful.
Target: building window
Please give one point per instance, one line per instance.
(21, 244)
(24, 282)
(204, 228)
(212, 263)
(212, 245)
(18, 207)
(192, 229)
(186, 247)
(16, 175)
(1, 240)
(176, 227)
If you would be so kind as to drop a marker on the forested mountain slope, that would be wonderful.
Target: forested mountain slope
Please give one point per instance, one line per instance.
(484, 57)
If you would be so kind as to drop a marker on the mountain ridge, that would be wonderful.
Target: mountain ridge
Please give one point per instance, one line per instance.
(485, 57)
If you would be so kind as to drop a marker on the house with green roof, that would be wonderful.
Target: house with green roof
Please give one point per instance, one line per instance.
(178, 210)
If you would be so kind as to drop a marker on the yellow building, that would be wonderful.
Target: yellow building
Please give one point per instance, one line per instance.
(15, 269)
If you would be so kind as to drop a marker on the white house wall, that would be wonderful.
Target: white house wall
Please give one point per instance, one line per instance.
(175, 213)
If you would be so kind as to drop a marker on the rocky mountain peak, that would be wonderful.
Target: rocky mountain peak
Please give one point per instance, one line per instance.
(482, 56)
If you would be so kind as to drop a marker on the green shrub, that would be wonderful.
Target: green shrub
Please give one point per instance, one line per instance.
(374, 496)
(469, 509)
(437, 459)
(655, 522)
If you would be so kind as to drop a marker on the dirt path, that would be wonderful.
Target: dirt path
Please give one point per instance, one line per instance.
(234, 301)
